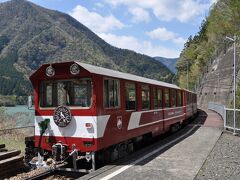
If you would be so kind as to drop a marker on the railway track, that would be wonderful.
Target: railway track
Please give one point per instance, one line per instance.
(11, 162)
(162, 142)
(55, 174)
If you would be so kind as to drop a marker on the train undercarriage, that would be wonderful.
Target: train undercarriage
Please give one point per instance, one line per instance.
(78, 161)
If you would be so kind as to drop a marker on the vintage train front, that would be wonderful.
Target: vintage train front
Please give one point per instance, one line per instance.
(100, 113)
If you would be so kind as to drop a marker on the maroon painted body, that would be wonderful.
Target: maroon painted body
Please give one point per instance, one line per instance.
(122, 108)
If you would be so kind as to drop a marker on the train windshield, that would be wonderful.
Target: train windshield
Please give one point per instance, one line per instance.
(74, 92)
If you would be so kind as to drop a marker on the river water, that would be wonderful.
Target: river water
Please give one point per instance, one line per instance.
(20, 115)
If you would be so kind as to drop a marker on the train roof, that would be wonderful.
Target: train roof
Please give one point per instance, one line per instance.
(117, 74)
(189, 91)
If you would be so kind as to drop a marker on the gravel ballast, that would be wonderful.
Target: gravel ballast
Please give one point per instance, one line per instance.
(224, 160)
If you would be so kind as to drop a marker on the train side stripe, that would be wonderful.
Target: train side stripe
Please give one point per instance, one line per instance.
(134, 121)
(101, 125)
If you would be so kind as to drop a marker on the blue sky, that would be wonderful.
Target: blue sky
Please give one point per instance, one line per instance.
(151, 27)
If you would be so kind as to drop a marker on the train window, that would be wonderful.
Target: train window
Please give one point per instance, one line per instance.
(145, 97)
(63, 96)
(179, 98)
(130, 96)
(66, 92)
(48, 94)
(173, 97)
(157, 94)
(111, 93)
(188, 98)
(195, 98)
(81, 90)
(166, 98)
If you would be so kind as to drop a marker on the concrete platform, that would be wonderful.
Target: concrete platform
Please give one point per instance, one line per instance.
(180, 157)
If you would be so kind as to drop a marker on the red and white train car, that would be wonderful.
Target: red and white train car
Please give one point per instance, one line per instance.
(92, 109)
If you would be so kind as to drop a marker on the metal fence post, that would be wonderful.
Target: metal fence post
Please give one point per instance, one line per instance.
(224, 118)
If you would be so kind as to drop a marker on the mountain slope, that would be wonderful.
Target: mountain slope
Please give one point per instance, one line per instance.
(209, 55)
(171, 63)
(200, 50)
(31, 35)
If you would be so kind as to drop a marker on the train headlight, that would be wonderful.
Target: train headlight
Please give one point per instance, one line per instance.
(50, 72)
(74, 69)
(88, 125)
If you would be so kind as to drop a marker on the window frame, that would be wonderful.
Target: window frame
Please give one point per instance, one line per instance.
(173, 98)
(54, 93)
(169, 101)
(149, 97)
(156, 99)
(125, 90)
(119, 93)
(181, 99)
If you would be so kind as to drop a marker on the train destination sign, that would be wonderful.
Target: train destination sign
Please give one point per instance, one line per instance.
(62, 116)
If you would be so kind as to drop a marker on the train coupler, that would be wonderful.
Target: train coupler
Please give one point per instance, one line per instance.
(59, 152)
(91, 156)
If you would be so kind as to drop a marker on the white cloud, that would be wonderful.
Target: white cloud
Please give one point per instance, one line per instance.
(145, 47)
(124, 42)
(167, 10)
(214, 1)
(180, 41)
(163, 34)
(95, 21)
(139, 15)
(152, 50)
(99, 5)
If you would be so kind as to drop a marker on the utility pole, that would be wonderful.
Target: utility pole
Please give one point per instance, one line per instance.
(187, 76)
(218, 95)
(234, 81)
(174, 79)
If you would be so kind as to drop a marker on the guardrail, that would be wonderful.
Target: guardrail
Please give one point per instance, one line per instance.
(229, 122)
(219, 108)
(227, 116)
(24, 130)
(9, 130)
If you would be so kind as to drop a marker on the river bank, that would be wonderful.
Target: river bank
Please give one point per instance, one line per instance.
(15, 117)
(18, 116)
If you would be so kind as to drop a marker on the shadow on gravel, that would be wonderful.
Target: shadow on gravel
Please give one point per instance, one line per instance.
(168, 140)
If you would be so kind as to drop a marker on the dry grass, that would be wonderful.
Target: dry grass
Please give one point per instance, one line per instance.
(13, 139)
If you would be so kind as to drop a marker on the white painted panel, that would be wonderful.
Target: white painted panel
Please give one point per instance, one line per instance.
(76, 128)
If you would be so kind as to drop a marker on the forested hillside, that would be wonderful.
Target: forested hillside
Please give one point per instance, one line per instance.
(31, 35)
(169, 62)
(223, 20)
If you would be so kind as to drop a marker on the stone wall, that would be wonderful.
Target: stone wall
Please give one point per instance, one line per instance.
(216, 84)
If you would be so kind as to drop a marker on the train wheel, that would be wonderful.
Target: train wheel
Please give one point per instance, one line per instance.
(175, 127)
